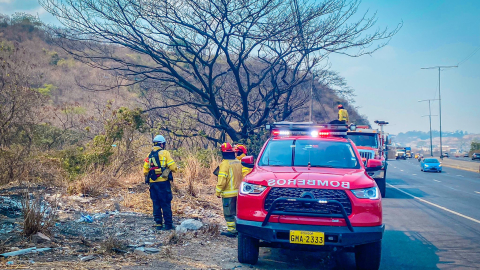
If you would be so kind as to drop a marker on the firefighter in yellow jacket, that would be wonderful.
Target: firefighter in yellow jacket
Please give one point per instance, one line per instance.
(241, 152)
(343, 114)
(229, 179)
(158, 168)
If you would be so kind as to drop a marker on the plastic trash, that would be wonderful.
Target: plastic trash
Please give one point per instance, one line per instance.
(85, 218)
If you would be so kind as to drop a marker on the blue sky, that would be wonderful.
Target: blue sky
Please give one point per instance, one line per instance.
(389, 83)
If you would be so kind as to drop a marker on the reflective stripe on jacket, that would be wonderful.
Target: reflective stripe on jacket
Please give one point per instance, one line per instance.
(166, 161)
(343, 115)
(229, 178)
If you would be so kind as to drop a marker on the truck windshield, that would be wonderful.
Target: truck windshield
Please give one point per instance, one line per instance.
(366, 140)
(304, 152)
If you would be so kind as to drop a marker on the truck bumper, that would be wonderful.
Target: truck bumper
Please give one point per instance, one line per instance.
(279, 233)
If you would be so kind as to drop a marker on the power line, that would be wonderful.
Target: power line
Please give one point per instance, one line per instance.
(469, 56)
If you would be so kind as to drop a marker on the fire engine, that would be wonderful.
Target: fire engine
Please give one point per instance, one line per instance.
(309, 189)
(372, 144)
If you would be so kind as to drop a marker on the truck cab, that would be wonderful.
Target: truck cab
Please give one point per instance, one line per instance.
(371, 145)
(310, 190)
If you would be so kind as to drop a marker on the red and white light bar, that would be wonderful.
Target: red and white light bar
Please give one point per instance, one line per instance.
(286, 129)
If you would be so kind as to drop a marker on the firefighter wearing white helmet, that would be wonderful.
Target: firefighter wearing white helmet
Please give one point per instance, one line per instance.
(158, 168)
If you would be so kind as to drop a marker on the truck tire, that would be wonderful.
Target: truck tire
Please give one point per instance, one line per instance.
(368, 256)
(248, 248)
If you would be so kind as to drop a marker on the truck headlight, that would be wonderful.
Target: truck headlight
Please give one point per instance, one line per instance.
(247, 188)
(367, 193)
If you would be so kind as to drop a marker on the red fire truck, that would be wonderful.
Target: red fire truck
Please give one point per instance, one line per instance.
(310, 189)
(371, 144)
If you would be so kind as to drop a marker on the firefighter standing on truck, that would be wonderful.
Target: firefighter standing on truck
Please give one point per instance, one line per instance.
(229, 179)
(241, 152)
(158, 168)
(343, 114)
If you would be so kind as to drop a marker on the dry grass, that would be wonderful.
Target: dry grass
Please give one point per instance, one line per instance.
(38, 216)
(192, 173)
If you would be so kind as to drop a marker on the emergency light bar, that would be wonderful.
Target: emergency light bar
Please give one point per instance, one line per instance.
(286, 129)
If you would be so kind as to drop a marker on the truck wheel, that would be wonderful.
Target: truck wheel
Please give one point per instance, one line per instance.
(368, 256)
(247, 249)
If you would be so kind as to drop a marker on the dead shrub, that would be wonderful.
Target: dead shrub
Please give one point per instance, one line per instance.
(211, 229)
(37, 214)
(175, 238)
(112, 245)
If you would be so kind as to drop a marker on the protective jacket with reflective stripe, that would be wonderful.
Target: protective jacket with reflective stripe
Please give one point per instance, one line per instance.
(229, 178)
(343, 115)
(165, 160)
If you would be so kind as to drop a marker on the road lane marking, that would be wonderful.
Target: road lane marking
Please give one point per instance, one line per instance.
(436, 205)
(414, 174)
(437, 180)
(477, 192)
(459, 175)
(401, 170)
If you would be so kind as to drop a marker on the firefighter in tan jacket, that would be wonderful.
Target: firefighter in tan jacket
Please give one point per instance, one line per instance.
(229, 179)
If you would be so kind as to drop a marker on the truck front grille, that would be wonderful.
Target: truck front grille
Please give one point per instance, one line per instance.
(317, 208)
(367, 154)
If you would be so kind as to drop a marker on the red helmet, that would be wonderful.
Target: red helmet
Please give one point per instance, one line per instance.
(340, 106)
(241, 148)
(227, 147)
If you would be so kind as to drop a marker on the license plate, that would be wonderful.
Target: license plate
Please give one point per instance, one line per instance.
(307, 238)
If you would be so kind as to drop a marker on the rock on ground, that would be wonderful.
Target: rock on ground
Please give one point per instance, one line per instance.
(191, 224)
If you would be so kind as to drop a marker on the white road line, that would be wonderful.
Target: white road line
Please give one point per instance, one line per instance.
(477, 192)
(459, 175)
(401, 170)
(437, 180)
(436, 205)
(414, 174)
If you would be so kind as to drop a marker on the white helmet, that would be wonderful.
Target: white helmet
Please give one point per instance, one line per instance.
(159, 139)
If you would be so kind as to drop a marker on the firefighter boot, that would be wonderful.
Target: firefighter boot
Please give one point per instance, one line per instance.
(168, 227)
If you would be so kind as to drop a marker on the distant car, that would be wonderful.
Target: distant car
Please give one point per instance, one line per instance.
(430, 165)
(475, 156)
(446, 155)
(465, 155)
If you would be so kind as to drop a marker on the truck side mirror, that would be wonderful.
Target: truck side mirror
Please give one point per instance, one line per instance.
(248, 162)
(374, 165)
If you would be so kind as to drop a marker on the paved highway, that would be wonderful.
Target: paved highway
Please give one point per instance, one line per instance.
(432, 222)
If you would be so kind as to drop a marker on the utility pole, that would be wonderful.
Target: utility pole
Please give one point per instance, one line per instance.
(430, 117)
(440, 102)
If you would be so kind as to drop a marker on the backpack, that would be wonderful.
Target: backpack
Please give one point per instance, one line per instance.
(151, 174)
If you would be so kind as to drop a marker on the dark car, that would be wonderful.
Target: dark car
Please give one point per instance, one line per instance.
(475, 156)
